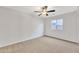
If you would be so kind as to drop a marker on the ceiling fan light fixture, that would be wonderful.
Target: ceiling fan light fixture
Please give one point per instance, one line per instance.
(44, 11)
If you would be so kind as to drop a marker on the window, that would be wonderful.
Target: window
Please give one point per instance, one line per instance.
(57, 24)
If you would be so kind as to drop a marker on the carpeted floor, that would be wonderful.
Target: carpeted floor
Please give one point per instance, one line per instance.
(42, 45)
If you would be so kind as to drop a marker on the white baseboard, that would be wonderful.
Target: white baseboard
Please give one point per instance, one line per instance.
(30, 38)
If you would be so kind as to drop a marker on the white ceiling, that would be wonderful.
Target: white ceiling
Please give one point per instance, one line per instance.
(30, 9)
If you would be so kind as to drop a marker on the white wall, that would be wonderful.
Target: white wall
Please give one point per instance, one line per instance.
(70, 27)
(16, 26)
(78, 25)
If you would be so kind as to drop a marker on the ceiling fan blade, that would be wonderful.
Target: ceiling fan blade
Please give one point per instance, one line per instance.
(37, 11)
(39, 14)
(51, 11)
(46, 7)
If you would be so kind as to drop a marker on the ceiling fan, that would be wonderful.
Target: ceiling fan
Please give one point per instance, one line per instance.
(44, 11)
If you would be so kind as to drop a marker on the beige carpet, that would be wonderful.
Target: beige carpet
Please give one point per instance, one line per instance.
(42, 45)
